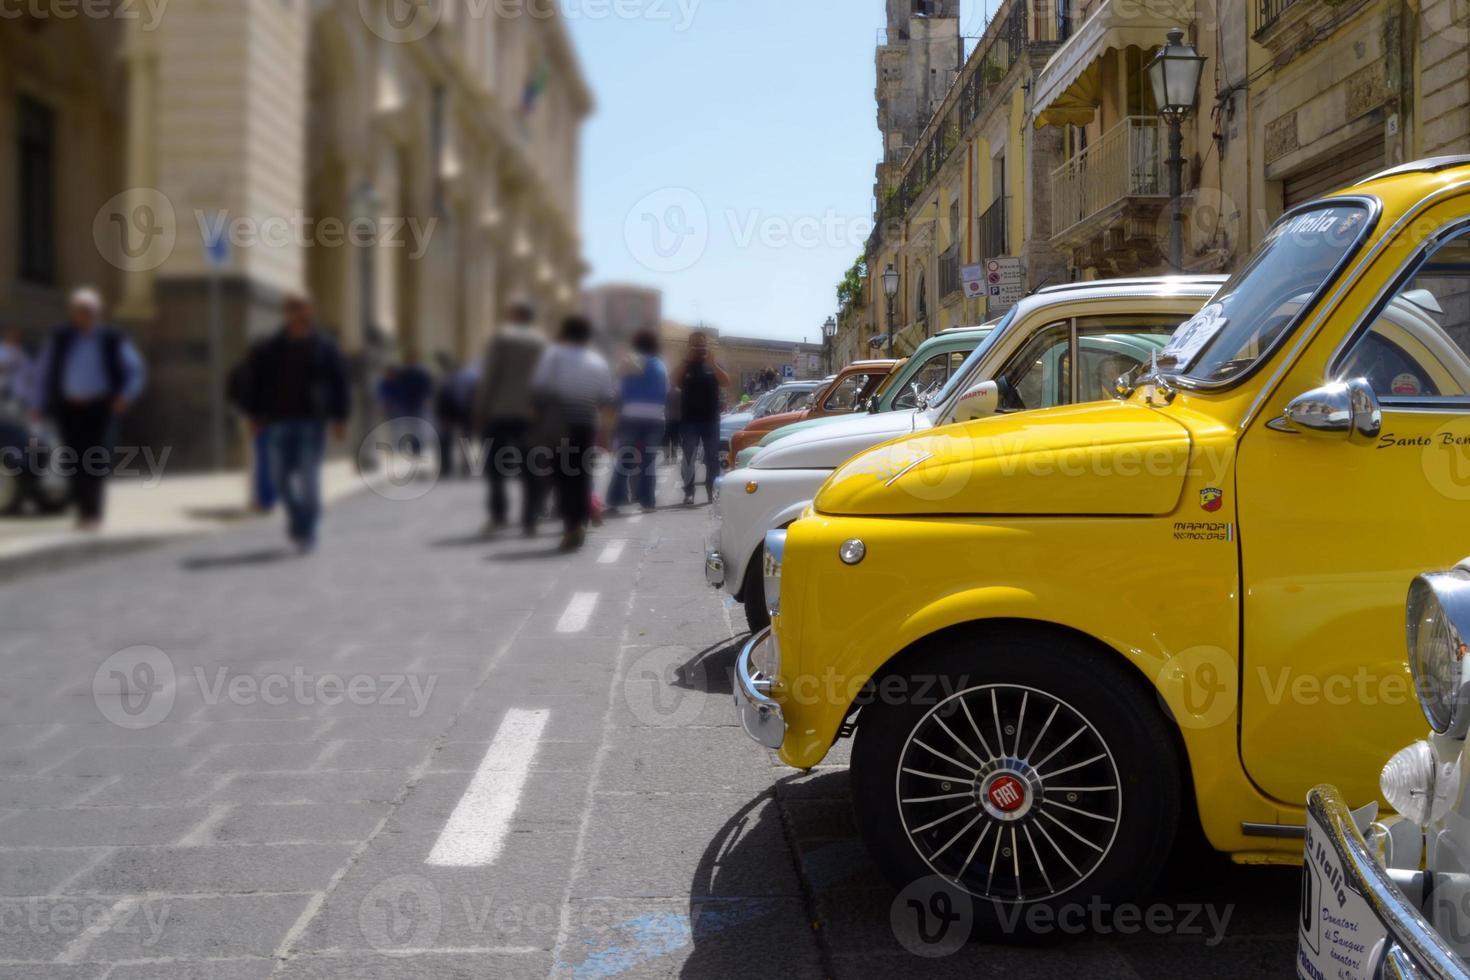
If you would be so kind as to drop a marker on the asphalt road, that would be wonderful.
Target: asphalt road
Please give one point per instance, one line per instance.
(417, 753)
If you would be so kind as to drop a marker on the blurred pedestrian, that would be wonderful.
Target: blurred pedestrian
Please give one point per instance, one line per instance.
(453, 412)
(262, 484)
(643, 392)
(88, 376)
(673, 405)
(297, 386)
(701, 383)
(573, 387)
(404, 393)
(15, 370)
(502, 414)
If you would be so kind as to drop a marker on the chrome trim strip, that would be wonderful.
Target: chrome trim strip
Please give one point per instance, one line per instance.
(1282, 830)
(760, 716)
(922, 457)
(1413, 948)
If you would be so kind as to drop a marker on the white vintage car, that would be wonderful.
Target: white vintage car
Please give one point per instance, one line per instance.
(1391, 897)
(1106, 327)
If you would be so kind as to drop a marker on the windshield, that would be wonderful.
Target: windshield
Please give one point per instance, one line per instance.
(962, 377)
(766, 403)
(1261, 305)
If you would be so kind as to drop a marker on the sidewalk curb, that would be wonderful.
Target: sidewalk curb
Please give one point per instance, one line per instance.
(71, 554)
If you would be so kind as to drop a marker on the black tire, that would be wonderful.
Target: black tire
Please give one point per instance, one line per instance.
(1087, 811)
(754, 592)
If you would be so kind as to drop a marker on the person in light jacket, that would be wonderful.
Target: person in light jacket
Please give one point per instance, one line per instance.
(644, 392)
(502, 415)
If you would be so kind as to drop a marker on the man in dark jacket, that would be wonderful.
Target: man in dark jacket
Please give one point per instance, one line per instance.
(89, 375)
(297, 385)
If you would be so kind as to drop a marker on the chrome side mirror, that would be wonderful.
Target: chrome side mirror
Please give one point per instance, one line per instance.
(1344, 407)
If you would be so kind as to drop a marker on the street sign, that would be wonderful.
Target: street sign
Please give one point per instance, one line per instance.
(788, 371)
(1004, 284)
(972, 277)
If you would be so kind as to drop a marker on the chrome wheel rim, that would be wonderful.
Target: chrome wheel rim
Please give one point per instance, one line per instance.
(1009, 792)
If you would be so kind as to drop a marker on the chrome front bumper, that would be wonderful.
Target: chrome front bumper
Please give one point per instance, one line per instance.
(760, 715)
(1363, 899)
(714, 566)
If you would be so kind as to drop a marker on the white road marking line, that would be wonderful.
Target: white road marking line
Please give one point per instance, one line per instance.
(611, 553)
(635, 519)
(476, 829)
(579, 610)
(78, 947)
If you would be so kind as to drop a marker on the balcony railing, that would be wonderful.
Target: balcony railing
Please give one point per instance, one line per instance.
(1271, 11)
(1127, 162)
(993, 240)
(949, 271)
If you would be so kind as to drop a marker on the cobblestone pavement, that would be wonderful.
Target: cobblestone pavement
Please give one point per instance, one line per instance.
(418, 753)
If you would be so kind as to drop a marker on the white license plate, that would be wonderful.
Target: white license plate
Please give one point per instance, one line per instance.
(1338, 932)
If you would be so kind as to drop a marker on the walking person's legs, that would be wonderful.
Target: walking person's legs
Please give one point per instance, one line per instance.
(285, 456)
(647, 447)
(309, 474)
(574, 483)
(624, 465)
(689, 446)
(502, 461)
(710, 438)
(264, 484)
(86, 432)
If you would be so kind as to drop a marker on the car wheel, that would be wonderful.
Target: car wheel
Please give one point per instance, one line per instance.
(1027, 768)
(754, 592)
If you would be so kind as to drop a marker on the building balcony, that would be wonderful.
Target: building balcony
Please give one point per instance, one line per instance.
(1069, 88)
(1120, 181)
(991, 237)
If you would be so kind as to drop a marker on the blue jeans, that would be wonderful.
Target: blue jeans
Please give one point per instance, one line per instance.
(298, 446)
(693, 435)
(262, 482)
(635, 457)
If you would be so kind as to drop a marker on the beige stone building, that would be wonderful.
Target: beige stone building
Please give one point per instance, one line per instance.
(974, 187)
(411, 175)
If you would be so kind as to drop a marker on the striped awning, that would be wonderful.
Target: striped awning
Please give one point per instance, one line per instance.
(1069, 86)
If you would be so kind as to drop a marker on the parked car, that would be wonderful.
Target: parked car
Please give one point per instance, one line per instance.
(913, 380)
(1061, 634)
(1120, 324)
(1391, 897)
(28, 477)
(848, 392)
(782, 398)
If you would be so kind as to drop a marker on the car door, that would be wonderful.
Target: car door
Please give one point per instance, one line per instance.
(1334, 527)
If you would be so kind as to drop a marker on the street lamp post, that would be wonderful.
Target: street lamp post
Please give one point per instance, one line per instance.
(829, 333)
(1174, 74)
(890, 289)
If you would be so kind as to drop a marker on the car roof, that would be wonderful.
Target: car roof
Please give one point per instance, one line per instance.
(1132, 283)
(1200, 287)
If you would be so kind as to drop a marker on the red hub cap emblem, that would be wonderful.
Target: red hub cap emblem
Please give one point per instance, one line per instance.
(1007, 794)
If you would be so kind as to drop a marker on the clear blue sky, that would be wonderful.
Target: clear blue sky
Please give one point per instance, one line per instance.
(730, 164)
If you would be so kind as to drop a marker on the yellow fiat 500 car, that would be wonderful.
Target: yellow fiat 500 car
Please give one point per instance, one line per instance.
(1058, 634)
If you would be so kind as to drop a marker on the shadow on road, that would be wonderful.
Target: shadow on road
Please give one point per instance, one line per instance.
(1207, 918)
(263, 556)
(462, 541)
(711, 670)
(535, 554)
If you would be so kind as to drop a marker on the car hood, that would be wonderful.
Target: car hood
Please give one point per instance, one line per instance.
(1104, 458)
(828, 446)
(769, 422)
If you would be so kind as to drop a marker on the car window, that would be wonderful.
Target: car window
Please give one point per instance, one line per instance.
(848, 393)
(1039, 373)
(799, 401)
(930, 376)
(1108, 347)
(1419, 344)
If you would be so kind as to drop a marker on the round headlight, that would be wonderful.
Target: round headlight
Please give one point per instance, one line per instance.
(1438, 617)
(852, 551)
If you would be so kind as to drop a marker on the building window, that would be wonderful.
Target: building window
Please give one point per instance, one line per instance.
(1064, 19)
(36, 176)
